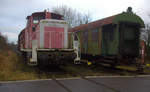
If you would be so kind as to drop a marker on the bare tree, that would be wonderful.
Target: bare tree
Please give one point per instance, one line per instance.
(147, 27)
(3, 42)
(73, 17)
(145, 33)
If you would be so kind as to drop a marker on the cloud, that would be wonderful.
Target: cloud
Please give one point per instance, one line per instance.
(13, 12)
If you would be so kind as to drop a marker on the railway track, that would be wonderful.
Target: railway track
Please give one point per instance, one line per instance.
(100, 70)
(78, 75)
(60, 84)
(84, 77)
(89, 80)
(97, 83)
(121, 69)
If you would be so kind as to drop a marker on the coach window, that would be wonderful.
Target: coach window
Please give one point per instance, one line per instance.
(109, 32)
(129, 34)
(85, 36)
(95, 35)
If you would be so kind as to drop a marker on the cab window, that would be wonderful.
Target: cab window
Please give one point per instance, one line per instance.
(36, 19)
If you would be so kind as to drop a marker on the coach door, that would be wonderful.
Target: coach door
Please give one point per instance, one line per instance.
(129, 39)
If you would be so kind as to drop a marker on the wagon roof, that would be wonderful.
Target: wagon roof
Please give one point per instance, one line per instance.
(94, 24)
(128, 17)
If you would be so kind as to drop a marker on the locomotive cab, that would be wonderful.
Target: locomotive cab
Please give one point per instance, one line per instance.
(35, 18)
(45, 15)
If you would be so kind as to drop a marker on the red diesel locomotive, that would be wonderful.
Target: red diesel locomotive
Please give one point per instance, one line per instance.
(46, 40)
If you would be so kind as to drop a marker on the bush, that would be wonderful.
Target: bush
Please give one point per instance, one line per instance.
(11, 64)
(3, 42)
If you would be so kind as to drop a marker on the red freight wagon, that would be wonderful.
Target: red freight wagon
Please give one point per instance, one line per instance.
(45, 40)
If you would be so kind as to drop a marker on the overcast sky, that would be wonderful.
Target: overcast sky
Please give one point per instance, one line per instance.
(13, 12)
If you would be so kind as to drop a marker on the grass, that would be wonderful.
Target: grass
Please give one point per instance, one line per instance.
(130, 68)
(12, 68)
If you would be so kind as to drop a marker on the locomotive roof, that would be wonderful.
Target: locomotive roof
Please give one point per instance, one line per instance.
(125, 17)
(37, 14)
(43, 14)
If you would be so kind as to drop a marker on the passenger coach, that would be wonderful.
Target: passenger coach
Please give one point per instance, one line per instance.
(115, 39)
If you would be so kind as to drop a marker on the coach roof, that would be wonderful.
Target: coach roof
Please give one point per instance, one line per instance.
(125, 16)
